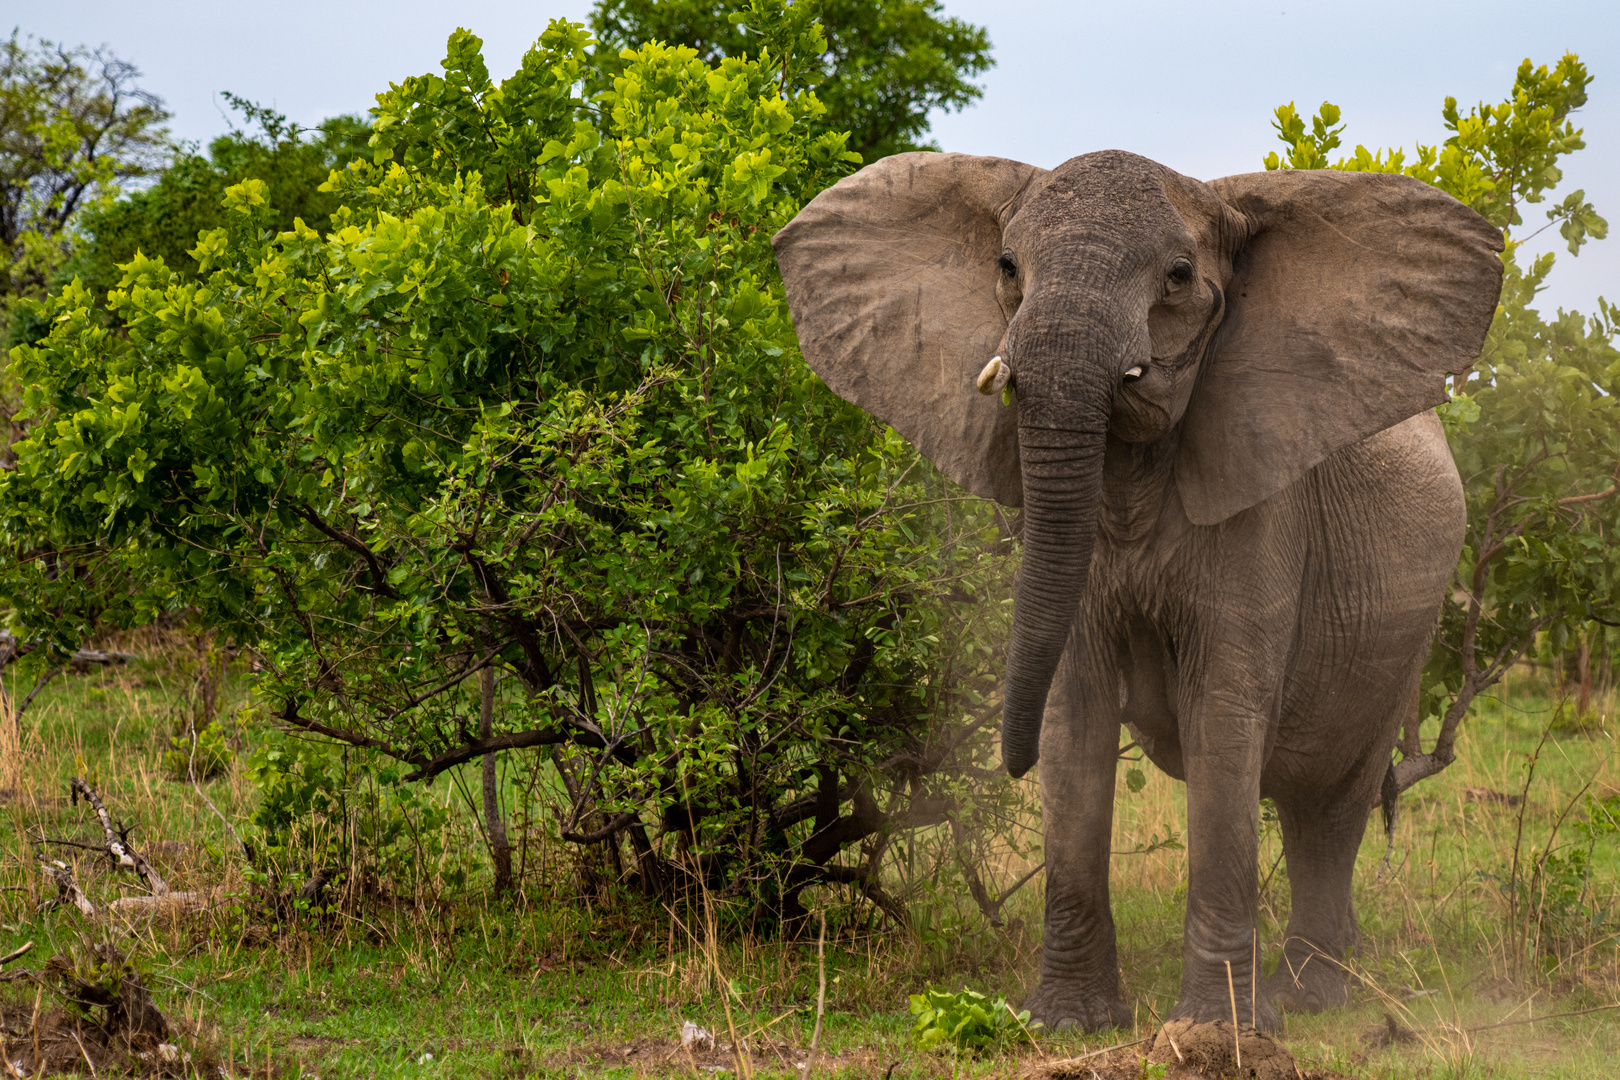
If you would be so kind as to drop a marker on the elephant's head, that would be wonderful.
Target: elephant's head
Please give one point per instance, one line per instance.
(1266, 319)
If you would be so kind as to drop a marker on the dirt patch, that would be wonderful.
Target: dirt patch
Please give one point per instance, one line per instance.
(1127, 1065)
(1193, 1052)
(668, 1055)
(54, 1042)
(303, 1044)
(1216, 1049)
(1118, 1063)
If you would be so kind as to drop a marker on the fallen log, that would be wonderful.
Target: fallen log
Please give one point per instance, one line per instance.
(85, 659)
(117, 840)
(171, 903)
(117, 847)
(80, 660)
(68, 891)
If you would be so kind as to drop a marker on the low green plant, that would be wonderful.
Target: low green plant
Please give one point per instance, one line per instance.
(100, 984)
(90, 976)
(967, 1020)
(204, 757)
(326, 806)
(1568, 913)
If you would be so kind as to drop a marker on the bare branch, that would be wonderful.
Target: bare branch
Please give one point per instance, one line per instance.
(50, 673)
(379, 579)
(122, 854)
(68, 891)
(608, 831)
(289, 714)
(427, 769)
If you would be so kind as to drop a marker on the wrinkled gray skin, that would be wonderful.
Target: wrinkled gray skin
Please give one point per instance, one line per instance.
(1239, 511)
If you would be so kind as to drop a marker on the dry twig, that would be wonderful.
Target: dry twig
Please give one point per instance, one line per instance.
(117, 847)
(68, 891)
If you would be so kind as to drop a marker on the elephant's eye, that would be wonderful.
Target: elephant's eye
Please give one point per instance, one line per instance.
(1181, 272)
(1008, 267)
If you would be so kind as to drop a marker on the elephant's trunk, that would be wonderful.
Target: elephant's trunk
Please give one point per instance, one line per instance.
(1060, 444)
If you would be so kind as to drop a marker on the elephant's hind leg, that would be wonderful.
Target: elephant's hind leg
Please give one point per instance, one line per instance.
(1079, 982)
(1321, 837)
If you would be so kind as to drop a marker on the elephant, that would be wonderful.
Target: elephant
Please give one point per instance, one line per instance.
(1239, 512)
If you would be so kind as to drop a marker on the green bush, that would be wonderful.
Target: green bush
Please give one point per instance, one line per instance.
(535, 402)
(204, 757)
(967, 1020)
(329, 807)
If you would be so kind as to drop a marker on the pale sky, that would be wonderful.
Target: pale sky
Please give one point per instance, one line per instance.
(1189, 84)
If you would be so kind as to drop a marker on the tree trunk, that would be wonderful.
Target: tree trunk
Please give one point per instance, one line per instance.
(1603, 682)
(1583, 702)
(500, 849)
(206, 684)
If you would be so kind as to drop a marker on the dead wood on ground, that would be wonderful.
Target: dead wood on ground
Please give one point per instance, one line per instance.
(117, 848)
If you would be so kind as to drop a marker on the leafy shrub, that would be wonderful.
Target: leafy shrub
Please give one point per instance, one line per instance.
(204, 756)
(535, 402)
(325, 806)
(102, 985)
(966, 1021)
(1561, 902)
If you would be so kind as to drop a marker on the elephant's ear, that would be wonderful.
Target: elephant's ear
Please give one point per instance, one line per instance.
(891, 275)
(1352, 299)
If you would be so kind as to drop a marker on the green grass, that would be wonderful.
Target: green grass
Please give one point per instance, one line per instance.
(562, 981)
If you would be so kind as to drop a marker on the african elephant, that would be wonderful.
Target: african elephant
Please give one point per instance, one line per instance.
(1239, 512)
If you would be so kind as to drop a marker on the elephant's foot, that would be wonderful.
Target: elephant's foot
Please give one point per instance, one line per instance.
(1204, 1008)
(1060, 1006)
(1307, 982)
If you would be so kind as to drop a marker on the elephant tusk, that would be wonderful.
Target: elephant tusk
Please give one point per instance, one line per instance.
(1133, 373)
(987, 377)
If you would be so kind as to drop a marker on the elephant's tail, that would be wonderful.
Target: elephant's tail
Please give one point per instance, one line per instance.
(1389, 799)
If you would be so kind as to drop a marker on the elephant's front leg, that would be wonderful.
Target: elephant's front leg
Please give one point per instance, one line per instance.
(1079, 982)
(1220, 951)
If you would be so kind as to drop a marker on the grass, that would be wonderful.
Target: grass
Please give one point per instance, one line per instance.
(576, 980)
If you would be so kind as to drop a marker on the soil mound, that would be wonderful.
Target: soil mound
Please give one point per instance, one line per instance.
(1208, 1050)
